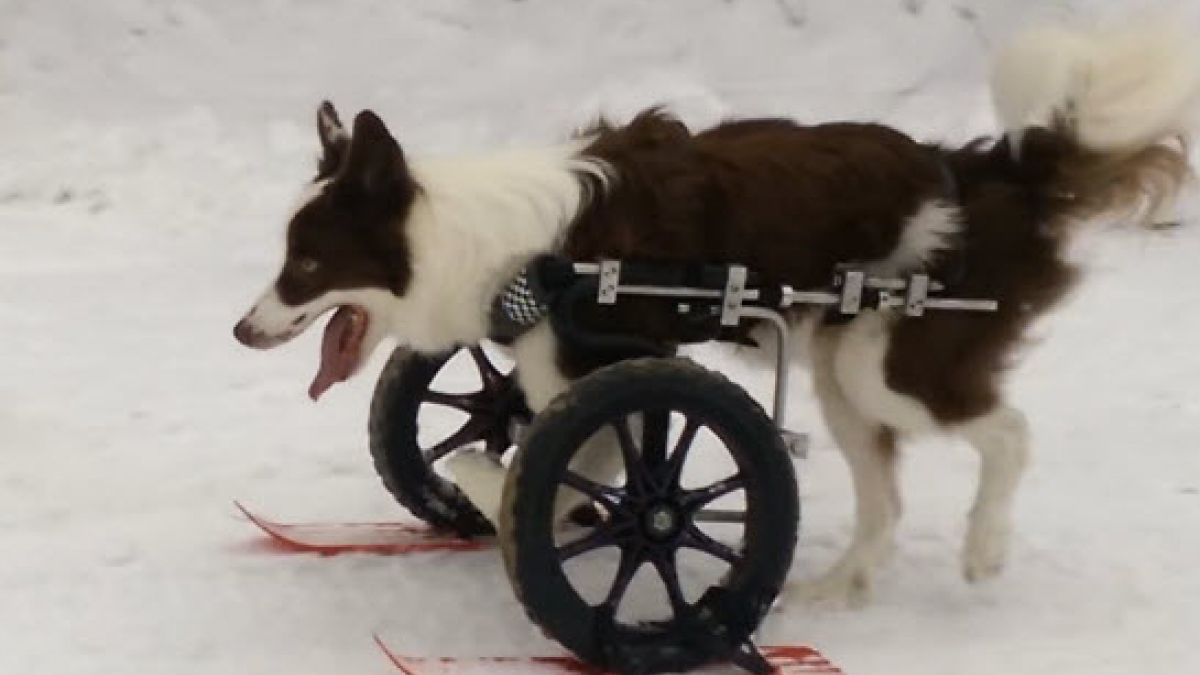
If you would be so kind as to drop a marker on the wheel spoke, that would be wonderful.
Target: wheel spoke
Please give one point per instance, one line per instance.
(635, 471)
(606, 534)
(631, 560)
(669, 573)
(695, 499)
(719, 516)
(497, 443)
(491, 377)
(698, 539)
(468, 433)
(656, 427)
(468, 403)
(607, 495)
(679, 455)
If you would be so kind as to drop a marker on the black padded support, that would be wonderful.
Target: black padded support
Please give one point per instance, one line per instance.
(704, 634)
(569, 329)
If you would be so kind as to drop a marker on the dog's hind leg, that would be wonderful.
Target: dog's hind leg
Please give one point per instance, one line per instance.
(480, 476)
(538, 355)
(871, 454)
(541, 378)
(1002, 439)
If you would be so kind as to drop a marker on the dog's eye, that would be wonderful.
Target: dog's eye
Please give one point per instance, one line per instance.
(307, 265)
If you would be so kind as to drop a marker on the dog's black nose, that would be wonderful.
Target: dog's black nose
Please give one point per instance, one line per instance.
(244, 333)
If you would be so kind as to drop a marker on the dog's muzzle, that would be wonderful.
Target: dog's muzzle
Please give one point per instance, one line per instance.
(248, 334)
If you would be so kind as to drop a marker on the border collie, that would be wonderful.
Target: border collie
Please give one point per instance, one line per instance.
(1093, 122)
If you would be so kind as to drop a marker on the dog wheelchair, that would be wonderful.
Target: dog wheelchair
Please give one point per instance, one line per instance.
(653, 405)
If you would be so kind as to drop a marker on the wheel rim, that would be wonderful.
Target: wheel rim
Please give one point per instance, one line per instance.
(411, 411)
(491, 411)
(652, 517)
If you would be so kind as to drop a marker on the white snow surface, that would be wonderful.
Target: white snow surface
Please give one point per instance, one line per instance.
(149, 152)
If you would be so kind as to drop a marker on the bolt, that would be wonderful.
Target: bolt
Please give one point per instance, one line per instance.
(662, 521)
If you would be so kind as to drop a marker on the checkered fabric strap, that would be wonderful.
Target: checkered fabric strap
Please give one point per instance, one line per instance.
(519, 307)
(520, 304)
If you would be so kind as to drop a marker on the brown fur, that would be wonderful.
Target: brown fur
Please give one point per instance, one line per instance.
(1018, 217)
(791, 202)
(716, 197)
(787, 201)
(369, 190)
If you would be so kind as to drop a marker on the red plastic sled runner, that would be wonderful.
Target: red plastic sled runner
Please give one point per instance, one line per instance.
(787, 661)
(335, 538)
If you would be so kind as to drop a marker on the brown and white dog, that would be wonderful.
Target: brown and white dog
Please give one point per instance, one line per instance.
(417, 249)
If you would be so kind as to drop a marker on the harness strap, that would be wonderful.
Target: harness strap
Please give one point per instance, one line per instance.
(525, 300)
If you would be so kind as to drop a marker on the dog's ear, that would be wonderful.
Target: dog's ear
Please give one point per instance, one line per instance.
(374, 162)
(334, 140)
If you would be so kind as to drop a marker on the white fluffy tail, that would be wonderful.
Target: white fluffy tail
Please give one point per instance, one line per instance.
(1115, 89)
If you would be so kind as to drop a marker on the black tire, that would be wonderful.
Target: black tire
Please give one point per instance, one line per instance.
(720, 622)
(405, 467)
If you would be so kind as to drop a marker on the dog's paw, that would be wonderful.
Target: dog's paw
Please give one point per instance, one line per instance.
(840, 588)
(985, 551)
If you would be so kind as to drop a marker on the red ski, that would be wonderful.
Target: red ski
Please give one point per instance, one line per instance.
(787, 661)
(335, 538)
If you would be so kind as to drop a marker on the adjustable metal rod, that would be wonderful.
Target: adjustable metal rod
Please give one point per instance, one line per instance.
(783, 350)
(791, 297)
(891, 284)
(719, 516)
(847, 295)
(669, 291)
(964, 305)
(944, 304)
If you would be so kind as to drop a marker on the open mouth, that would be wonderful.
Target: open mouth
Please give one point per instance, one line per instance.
(341, 348)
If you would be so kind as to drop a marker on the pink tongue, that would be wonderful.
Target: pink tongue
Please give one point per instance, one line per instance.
(340, 349)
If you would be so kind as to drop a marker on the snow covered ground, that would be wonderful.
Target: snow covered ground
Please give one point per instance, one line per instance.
(149, 150)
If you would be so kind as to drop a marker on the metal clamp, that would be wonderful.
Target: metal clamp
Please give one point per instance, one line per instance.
(912, 295)
(797, 443)
(916, 294)
(852, 284)
(852, 292)
(735, 295)
(610, 282)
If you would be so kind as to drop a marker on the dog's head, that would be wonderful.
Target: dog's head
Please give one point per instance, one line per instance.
(345, 250)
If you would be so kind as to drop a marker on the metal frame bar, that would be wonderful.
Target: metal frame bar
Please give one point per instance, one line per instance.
(909, 295)
(783, 348)
(670, 292)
